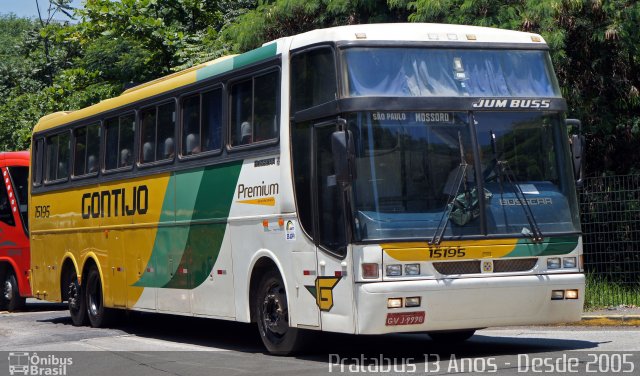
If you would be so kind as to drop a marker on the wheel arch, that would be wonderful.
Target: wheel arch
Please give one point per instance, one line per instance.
(91, 259)
(7, 264)
(69, 263)
(262, 261)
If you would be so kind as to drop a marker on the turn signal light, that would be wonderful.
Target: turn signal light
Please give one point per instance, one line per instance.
(370, 270)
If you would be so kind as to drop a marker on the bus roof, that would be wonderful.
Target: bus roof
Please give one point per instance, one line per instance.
(434, 33)
(426, 32)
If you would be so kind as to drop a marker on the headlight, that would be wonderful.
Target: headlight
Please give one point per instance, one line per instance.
(413, 301)
(412, 269)
(394, 303)
(553, 263)
(394, 270)
(569, 262)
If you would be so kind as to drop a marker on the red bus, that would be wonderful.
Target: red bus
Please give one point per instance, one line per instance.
(14, 230)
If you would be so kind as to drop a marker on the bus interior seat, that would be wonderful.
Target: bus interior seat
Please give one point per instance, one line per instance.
(147, 152)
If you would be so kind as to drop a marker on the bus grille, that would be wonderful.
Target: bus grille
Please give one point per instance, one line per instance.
(457, 267)
(473, 266)
(514, 265)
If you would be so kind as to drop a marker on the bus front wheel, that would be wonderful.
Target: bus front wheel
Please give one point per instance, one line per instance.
(272, 315)
(10, 299)
(98, 315)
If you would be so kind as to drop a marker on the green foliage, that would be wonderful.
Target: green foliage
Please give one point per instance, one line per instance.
(601, 293)
(280, 18)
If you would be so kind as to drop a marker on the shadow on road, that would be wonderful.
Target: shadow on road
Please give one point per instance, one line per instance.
(244, 338)
(34, 305)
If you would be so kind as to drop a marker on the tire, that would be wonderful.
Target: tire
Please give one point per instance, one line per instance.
(76, 301)
(271, 313)
(452, 336)
(10, 299)
(98, 315)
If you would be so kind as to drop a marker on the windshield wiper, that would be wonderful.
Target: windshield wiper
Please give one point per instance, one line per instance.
(459, 180)
(503, 170)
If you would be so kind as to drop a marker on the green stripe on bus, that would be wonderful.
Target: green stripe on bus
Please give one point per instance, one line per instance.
(215, 196)
(560, 245)
(183, 256)
(236, 62)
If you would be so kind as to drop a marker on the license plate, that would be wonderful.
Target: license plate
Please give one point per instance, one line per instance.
(405, 318)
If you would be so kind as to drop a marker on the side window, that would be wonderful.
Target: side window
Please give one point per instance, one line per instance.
(57, 156)
(157, 126)
(202, 122)
(254, 109)
(87, 150)
(36, 158)
(119, 141)
(313, 78)
(6, 216)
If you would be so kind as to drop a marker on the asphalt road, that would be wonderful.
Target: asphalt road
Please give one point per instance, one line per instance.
(151, 344)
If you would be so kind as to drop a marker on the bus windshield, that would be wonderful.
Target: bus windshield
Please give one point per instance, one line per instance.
(416, 171)
(429, 72)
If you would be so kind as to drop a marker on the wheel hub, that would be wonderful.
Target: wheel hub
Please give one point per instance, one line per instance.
(73, 297)
(274, 313)
(7, 290)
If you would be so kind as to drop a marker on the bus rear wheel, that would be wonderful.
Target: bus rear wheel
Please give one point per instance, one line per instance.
(98, 315)
(272, 315)
(452, 336)
(10, 300)
(76, 301)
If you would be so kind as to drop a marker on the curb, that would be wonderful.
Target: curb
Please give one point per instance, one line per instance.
(609, 320)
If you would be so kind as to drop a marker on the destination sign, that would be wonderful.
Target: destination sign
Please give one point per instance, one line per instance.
(419, 117)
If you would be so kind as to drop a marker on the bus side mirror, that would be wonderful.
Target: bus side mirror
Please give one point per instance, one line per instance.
(577, 150)
(343, 149)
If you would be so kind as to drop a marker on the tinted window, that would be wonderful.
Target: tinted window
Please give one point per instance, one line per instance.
(119, 141)
(313, 79)
(157, 125)
(87, 150)
(57, 156)
(38, 151)
(202, 122)
(428, 72)
(254, 109)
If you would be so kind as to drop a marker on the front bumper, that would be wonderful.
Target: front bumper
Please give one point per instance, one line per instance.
(468, 303)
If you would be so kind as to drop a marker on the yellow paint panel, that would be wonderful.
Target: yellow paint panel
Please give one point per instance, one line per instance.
(449, 250)
(121, 244)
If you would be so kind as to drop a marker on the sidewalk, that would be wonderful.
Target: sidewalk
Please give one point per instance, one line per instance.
(614, 316)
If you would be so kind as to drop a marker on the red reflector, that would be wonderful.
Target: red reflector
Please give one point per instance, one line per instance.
(119, 269)
(338, 273)
(221, 271)
(306, 272)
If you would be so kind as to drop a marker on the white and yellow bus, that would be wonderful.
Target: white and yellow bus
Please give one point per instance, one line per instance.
(362, 179)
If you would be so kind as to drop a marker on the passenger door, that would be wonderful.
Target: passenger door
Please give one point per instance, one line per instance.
(334, 284)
